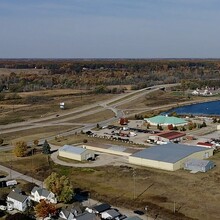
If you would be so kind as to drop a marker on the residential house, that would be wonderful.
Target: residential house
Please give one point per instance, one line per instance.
(70, 214)
(38, 193)
(87, 216)
(65, 214)
(98, 209)
(15, 200)
(110, 214)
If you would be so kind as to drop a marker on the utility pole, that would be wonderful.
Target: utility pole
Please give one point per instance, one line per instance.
(134, 183)
(174, 207)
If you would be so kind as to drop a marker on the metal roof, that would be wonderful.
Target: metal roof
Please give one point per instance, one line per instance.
(161, 119)
(197, 162)
(72, 149)
(168, 152)
(171, 134)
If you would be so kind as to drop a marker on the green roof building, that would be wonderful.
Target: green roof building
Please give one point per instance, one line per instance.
(166, 120)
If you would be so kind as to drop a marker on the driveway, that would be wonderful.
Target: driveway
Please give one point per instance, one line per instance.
(102, 160)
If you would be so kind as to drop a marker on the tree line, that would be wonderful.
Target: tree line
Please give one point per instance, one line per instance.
(88, 74)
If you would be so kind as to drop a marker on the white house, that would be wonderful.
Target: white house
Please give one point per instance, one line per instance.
(15, 200)
(38, 193)
(65, 214)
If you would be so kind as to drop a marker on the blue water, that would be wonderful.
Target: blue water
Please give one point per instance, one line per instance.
(207, 108)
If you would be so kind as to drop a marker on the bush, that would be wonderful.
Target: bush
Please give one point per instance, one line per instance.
(85, 141)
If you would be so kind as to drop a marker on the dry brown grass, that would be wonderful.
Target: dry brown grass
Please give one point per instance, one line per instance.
(95, 118)
(35, 133)
(12, 111)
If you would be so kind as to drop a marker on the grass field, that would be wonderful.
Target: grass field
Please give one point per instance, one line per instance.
(24, 109)
(96, 117)
(35, 133)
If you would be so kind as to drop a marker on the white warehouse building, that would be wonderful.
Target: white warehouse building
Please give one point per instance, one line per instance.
(169, 156)
(76, 153)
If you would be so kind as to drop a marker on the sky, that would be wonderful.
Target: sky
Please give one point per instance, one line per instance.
(109, 29)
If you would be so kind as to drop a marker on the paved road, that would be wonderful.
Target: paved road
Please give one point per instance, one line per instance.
(12, 174)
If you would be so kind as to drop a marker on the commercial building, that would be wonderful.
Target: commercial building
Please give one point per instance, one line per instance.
(76, 153)
(168, 136)
(196, 165)
(166, 120)
(169, 156)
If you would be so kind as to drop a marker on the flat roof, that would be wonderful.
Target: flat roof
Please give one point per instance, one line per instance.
(72, 149)
(170, 152)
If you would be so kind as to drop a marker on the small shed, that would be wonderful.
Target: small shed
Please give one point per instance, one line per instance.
(197, 165)
(76, 153)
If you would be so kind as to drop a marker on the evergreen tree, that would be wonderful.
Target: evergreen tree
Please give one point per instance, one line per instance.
(46, 148)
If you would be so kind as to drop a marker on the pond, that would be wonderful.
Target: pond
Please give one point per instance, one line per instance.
(206, 108)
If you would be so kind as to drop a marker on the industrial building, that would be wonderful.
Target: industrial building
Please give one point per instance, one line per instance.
(166, 120)
(75, 153)
(169, 156)
(168, 136)
(196, 165)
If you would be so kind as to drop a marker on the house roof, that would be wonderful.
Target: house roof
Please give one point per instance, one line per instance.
(170, 152)
(17, 196)
(161, 119)
(86, 216)
(41, 191)
(205, 144)
(102, 207)
(197, 162)
(113, 213)
(72, 149)
(171, 134)
(66, 213)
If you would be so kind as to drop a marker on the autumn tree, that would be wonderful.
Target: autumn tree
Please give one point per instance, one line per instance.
(46, 147)
(20, 149)
(60, 186)
(36, 142)
(45, 209)
(170, 127)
